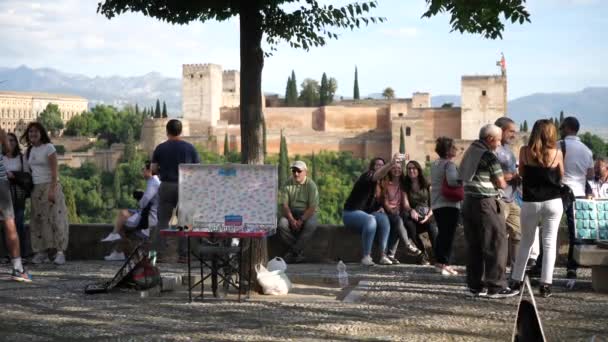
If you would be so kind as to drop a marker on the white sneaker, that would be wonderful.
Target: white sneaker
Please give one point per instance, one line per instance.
(41, 258)
(112, 237)
(367, 261)
(59, 259)
(385, 261)
(115, 256)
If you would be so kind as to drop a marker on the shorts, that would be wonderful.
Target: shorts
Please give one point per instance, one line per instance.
(133, 220)
(6, 202)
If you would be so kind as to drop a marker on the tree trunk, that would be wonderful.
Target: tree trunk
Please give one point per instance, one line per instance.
(252, 63)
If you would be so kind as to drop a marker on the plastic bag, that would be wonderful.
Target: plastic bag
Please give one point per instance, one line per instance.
(273, 283)
(276, 264)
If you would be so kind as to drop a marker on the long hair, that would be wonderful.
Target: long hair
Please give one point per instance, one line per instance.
(44, 136)
(542, 139)
(17, 151)
(407, 182)
(372, 163)
(382, 184)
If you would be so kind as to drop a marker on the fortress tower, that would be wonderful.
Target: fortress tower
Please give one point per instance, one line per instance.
(483, 100)
(202, 86)
(231, 89)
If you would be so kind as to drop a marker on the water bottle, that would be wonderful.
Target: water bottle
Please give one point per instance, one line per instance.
(342, 275)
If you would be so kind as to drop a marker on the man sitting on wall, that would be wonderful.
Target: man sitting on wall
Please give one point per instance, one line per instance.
(599, 186)
(299, 200)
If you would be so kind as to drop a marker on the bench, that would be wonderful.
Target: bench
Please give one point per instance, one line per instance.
(596, 258)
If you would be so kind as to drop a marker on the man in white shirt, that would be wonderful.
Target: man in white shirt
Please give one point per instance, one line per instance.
(599, 186)
(578, 168)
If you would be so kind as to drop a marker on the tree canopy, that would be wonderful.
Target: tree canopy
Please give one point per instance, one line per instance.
(388, 93)
(308, 25)
(50, 118)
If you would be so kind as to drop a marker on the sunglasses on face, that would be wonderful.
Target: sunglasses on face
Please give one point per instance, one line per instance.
(296, 171)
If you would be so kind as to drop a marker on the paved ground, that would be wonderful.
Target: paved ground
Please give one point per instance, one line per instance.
(407, 303)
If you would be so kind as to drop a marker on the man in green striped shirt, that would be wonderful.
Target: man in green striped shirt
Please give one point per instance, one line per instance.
(484, 224)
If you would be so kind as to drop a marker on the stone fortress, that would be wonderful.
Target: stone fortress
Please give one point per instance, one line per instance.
(367, 128)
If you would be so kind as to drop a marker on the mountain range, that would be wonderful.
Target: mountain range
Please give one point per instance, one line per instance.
(590, 105)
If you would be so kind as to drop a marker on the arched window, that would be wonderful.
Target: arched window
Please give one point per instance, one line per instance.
(408, 131)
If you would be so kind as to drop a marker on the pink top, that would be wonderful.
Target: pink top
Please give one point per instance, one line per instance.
(392, 197)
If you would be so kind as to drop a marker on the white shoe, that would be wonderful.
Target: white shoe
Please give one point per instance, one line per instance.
(385, 261)
(367, 261)
(59, 259)
(41, 258)
(115, 256)
(112, 237)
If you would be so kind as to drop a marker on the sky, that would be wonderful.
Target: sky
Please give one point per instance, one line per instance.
(559, 51)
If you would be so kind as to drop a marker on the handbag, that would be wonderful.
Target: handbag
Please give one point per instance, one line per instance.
(24, 180)
(451, 193)
(565, 192)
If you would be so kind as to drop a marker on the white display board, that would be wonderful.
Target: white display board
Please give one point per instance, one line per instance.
(228, 198)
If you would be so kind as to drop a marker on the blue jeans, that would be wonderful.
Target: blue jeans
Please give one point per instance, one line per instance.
(22, 232)
(368, 225)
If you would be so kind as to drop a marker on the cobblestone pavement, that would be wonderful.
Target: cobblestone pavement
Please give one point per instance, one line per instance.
(403, 303)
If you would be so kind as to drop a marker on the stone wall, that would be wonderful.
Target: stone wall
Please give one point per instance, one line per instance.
(73, 143)
(105, 159)
(300, 118)
(362, 119)
(483, 100)
(421, 100)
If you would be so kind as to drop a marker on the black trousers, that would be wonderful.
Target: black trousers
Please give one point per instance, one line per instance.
(486, 236)
(447, 221)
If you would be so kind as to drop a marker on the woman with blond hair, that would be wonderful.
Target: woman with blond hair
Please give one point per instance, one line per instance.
(49, 217)
(541, 166)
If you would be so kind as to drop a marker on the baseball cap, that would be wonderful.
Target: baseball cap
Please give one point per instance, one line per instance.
(298, 164)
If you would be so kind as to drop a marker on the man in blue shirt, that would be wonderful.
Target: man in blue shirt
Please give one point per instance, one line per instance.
(165, 161)
(508, 163)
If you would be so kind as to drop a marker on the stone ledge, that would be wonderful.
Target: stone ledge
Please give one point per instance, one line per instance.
(590, 255)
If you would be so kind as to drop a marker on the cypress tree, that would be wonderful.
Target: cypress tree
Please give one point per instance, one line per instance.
(525, 126)
(70, 202)
(294, 89)
(313, 167)
(521, 127)
(401, 141)
(117, 188)
(561, 117)
(283, 162)
(288, 92)
(356, 87)
(264, 146)
(130, 149)
(324, 91)
(157, 112)
(226, 146)
(165, 110)
(136, 109)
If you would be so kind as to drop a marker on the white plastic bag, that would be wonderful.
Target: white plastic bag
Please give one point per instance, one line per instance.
(273, 283)
(277, 264)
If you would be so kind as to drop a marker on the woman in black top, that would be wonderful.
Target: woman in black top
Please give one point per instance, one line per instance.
(541, 166)
(363, 214)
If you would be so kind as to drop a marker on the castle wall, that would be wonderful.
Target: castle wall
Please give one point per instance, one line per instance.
(340, 118)
(300, 118)
(483, 100)
(154, 132)
(201, 92)
(421, 100)
(399, 109)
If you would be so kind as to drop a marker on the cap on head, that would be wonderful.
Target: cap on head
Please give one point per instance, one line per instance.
(298, 164)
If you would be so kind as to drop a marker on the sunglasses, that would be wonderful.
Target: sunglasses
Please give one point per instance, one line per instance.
(296, 171)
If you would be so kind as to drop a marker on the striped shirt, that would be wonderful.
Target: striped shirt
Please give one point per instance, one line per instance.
(2, 168)
(488, 170)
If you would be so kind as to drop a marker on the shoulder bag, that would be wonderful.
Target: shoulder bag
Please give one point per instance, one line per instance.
(451, 193)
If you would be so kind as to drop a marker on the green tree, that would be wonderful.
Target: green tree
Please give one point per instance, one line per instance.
(70, 202)
(283, 161)
(388, 93)
(596, 144)
(291, 91)
(401, 140)
(157, 113)
(561, 117)
(164, 114)
(356, 86)
(447, 105)
(287, 92)
(309, 95)
(50, 118)
(525, 126)
(324, 91)
(313, 167)
(226, 146)
(332, 88)
(137, 109)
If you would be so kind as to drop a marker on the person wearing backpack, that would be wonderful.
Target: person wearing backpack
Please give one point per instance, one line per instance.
(16, 163)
